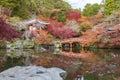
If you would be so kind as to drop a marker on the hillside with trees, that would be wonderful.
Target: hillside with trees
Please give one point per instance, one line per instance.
(50, 40)
(65, 22)
(46, 8)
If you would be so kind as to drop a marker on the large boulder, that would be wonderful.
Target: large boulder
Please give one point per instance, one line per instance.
(33, 73)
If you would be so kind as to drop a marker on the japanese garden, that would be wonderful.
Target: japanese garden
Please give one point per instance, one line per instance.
(51, 40)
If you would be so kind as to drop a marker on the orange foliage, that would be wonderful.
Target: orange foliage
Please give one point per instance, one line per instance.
(82, 19)
(92, 19)
(85, 55)
(89, 37)
(100, 15)
(44, 38)
(87, 23)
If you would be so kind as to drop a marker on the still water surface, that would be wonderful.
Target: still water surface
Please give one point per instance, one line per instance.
(95, 64)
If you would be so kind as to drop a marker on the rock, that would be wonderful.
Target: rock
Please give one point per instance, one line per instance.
(33, 73)
(18, 44)
(57, 44)
(28, 44)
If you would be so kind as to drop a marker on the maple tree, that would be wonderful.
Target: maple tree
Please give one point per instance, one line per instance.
(73, 15)
(59, 31)
(106, 36)
(110, 39)
(44, 38)
(6, 32)
(90, 37)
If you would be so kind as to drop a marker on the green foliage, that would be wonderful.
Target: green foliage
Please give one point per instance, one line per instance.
(23, 8)
(21, 13)
(20, 7)
(91, 9)
(2, 44)
(84, 28)
(111, 6)
(61, 17)
(91, 77)
(7, 3)
(14, 19)
(55, 9)
(62, 5)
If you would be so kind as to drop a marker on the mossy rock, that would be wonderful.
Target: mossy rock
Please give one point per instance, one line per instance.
(18, 44)
(57, 44)
(28, 44)
(2, 44)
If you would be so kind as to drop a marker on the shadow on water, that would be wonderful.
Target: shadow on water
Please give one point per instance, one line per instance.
(95, 64)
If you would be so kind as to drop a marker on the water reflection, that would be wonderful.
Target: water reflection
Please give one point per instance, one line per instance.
(104, 63)
(16, 57)
(95, 64)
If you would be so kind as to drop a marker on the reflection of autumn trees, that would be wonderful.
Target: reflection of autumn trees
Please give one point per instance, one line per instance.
(109, 63)
(85, 62)
(49, 60)
(84, 55)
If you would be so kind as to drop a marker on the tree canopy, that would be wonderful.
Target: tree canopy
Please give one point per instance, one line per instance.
(111, 5)
(91, 9)
(22, 8)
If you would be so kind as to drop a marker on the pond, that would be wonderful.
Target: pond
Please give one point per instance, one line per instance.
(93, 64)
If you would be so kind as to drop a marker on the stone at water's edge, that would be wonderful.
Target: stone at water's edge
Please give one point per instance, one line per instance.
(28, 44)
(20, 44)
(33, 73)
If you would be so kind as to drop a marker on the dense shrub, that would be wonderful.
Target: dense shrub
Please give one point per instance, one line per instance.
(85, 26)
(91, 9)
(45, 38)
(2, 44)
(61, 17)
(6, 32)
(59, 31)
(73, 15)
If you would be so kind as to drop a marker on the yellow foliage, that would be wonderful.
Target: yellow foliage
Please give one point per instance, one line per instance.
(87, 23)
(5, 18)
(82, 19)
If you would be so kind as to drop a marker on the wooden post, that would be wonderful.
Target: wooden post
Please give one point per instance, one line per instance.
(70, 46)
